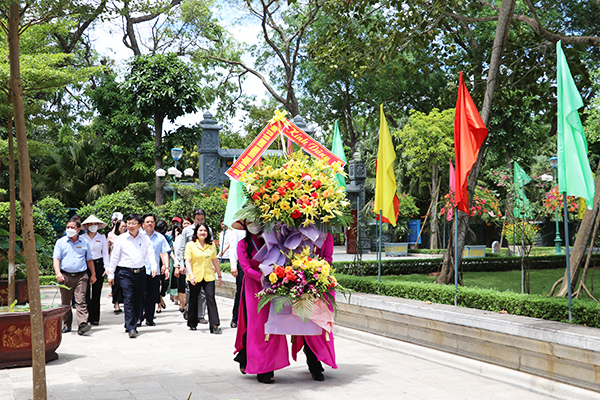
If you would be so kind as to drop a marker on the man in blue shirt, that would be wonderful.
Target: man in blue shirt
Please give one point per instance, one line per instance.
(71, 259)
(161, 248)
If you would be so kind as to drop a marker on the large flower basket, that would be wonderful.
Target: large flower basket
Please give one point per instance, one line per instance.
(296, 200)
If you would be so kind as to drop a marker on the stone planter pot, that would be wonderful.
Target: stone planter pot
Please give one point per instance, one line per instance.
(15, 336)
(396, 249)
(21, 292)
(473, 251)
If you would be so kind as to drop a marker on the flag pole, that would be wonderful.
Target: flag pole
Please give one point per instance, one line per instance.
(379, 254)
(566, 215)
(455, 256)
(522, 215)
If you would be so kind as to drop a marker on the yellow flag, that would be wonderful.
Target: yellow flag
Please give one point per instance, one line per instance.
(385, 186)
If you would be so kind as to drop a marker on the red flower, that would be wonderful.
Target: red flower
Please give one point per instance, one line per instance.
(290, 185)
(290, 275)
(316, 184)
(280, 272)
(256, 196)
(314, 195)
(268, 184)
(281, 190)
(296, 214)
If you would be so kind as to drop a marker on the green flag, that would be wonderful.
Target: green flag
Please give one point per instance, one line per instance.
(235, 202)
(337, 148)
(574, 172)
(521, 201)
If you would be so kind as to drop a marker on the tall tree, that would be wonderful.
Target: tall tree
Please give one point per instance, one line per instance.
(163, 86)
(283, 29)
(427, 142)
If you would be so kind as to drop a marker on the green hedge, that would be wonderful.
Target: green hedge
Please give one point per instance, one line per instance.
(429, 265)
(528, 305)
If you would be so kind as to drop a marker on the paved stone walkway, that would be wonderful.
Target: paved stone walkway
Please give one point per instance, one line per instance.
(168, 361)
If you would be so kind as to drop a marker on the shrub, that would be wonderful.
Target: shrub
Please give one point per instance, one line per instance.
(429, 265)
(41, 225)
(54, 211)
(528, 305)
(124, 202)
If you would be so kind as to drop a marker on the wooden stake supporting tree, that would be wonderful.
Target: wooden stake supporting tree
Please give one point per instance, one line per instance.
(582, 284)
(581, 243)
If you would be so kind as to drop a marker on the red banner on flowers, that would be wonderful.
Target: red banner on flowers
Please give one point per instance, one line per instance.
(262, 142)
(254, 151)
(309, 144)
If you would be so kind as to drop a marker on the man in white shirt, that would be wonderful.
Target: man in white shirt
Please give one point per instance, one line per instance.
(161, 248)
(128, 259)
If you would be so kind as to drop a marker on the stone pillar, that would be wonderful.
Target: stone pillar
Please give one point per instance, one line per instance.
(300, 123)
(357, 173)
(208, 148)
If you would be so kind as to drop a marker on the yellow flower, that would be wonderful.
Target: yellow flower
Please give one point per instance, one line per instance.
(284, 205)
(273, 277)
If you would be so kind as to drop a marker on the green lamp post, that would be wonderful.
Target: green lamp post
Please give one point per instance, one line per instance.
(557, 240)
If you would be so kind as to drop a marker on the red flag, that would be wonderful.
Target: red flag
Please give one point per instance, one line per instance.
(469, 134)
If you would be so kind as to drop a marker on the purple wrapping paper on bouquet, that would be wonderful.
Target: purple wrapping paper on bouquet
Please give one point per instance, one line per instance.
(286, 323)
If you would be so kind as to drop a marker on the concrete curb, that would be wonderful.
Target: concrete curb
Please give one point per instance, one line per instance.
(523, 380)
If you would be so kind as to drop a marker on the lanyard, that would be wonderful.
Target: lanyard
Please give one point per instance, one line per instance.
(254, 244)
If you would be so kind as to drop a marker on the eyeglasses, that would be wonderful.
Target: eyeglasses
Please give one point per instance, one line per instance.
(132, 223)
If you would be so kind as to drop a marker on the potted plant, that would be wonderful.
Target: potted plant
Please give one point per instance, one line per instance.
(407, 209)
(518, 234)
(15, 334)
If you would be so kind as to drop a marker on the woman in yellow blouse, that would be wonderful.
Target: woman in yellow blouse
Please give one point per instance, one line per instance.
(201, 264)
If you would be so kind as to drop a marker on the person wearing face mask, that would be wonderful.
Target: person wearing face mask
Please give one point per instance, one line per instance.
(99, 247)
(71, 259)
(257, 353)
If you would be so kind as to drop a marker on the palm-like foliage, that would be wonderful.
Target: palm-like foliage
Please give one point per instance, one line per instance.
(72, 175)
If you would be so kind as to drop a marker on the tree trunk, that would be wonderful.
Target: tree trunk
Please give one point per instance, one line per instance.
(12, 222)
(433, 241)
(158, 125)
(582, 240)
(504, 18)
(33, 280)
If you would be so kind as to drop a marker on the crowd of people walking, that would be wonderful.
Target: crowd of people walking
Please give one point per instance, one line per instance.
(146, 261)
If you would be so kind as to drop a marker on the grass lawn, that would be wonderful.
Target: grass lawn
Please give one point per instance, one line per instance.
(540, 281)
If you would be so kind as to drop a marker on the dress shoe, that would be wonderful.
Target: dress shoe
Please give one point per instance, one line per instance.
(83, 328)
(133, 334)
(233, 324)
(66, 329)
(118, 311)
(192, 328)
(215, 330)
(150, 323)
(203, 321)
(317, 376)
(95, 323)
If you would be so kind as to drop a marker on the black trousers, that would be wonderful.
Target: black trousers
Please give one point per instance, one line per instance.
(150, 298)
(213, 313)
(238, 289)
(95, 292)
(133, 286)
